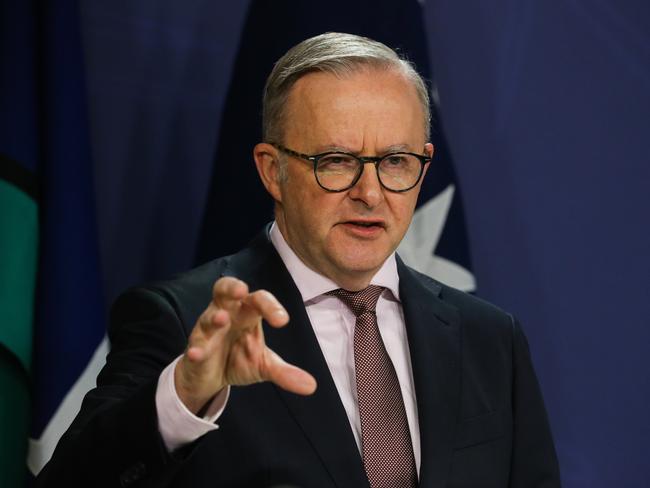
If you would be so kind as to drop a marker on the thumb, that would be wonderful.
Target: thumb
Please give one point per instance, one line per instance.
(287, 376)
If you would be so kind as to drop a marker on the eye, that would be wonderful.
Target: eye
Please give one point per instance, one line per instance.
(396, 160)
(337, 162)
(400, 165)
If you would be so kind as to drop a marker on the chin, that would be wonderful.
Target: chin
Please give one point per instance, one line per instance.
(360, 257)
(365, 262)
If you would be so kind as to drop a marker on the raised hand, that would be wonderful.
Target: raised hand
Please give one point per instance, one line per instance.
(226, 347)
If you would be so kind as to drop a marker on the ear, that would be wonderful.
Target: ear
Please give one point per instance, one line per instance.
(428, 150)
(267, 161)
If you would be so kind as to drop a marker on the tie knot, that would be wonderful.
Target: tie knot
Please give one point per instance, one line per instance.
(359, 301)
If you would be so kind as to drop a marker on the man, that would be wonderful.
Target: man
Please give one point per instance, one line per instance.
(315, 357)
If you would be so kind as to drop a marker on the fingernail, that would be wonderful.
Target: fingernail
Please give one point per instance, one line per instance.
(280, 313)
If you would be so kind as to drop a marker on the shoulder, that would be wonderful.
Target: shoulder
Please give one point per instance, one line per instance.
(183, 296)
(475, 314)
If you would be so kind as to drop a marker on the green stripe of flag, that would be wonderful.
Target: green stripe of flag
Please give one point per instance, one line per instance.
(15, 415)
(18, 262)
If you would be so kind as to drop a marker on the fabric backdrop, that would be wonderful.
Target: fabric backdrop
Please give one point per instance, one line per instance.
(544, 110)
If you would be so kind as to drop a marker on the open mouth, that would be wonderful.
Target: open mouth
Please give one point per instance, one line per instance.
(366, 224)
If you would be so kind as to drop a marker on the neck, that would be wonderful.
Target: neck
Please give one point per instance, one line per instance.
(352, 283)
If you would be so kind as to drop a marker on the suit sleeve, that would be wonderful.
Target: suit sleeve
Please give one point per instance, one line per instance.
(534, 461)
(114, 440)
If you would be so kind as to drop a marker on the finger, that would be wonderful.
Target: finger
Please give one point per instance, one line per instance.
(204, 339)
(268, 307)
(213, 319)
(228, 291)
(287, 376)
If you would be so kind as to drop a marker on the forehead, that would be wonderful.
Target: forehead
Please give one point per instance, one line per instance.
(368, 109)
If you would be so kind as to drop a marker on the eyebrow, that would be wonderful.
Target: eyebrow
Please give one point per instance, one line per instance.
(388, 150)
(333, 148)
(397, 148)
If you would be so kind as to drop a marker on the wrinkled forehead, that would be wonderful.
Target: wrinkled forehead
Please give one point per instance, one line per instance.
(372, 105)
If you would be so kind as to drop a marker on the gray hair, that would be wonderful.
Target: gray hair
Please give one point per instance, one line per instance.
(339, 54)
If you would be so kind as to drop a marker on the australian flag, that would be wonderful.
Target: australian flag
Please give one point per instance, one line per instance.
(57, 330)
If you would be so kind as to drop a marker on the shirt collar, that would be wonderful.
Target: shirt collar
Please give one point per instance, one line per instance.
(312, 284)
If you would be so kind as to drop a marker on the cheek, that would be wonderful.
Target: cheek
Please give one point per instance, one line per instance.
(403, 209)
(305, 209)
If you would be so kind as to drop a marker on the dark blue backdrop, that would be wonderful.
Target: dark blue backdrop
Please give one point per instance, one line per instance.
(546, 110)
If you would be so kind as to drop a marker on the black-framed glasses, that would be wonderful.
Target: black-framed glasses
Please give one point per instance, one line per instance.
(339, 171)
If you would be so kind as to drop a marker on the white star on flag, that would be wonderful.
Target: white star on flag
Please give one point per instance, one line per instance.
(418, 246)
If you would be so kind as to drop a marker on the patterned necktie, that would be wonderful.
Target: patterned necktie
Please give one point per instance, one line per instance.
(385, 437)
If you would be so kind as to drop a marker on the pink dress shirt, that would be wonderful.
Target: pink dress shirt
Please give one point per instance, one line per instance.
(333, 324)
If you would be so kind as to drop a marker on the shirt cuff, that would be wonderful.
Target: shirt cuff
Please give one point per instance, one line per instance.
(177, 425)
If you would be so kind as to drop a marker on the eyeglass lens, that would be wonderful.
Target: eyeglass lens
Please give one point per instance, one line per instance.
(397, 171)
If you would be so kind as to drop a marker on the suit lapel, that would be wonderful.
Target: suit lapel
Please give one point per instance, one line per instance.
(321, 416)
(433, 331)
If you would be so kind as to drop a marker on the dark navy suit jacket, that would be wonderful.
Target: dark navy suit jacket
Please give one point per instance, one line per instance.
(481, 414)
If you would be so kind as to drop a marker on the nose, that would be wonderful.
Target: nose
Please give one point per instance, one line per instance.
(368, 190)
